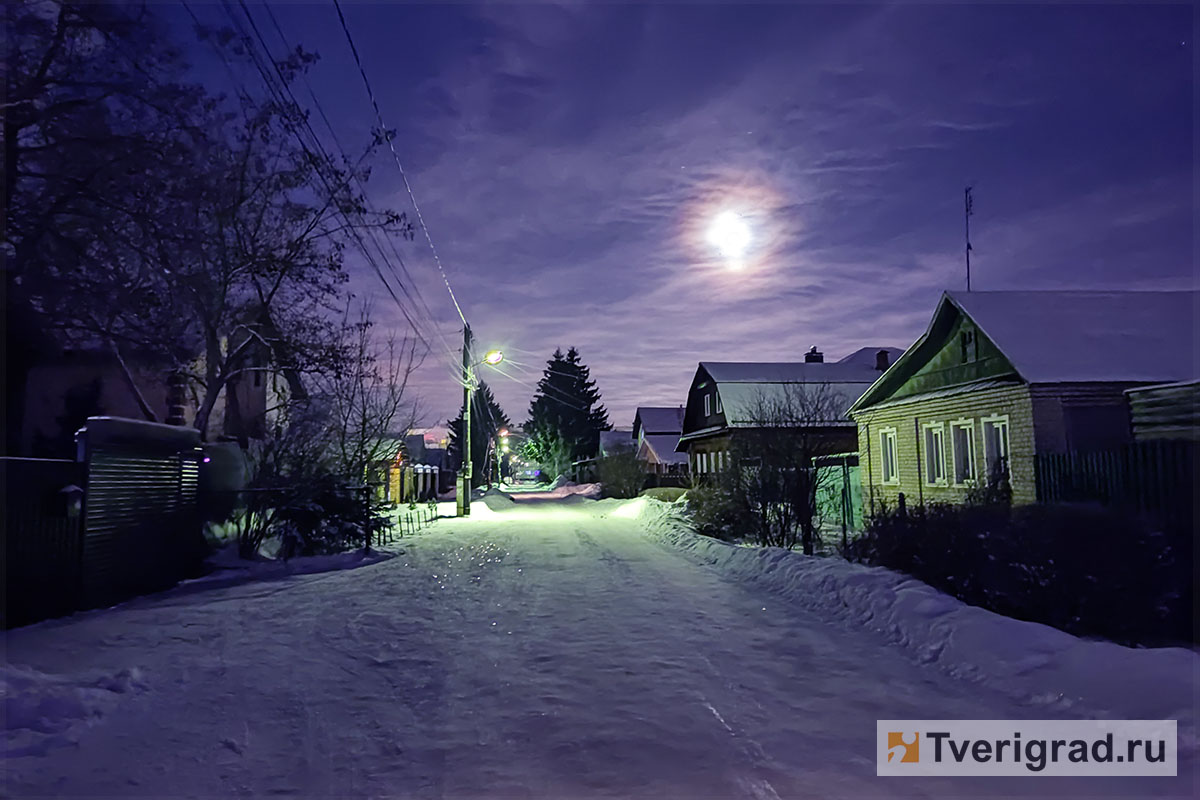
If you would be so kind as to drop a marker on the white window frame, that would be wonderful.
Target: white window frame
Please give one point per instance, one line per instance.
(717, 395)
(886, 435)
(994, 419)
(929, 431)
(967, 424)
(707, 404)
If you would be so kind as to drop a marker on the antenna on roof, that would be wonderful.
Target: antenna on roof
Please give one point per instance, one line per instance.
(967, 204)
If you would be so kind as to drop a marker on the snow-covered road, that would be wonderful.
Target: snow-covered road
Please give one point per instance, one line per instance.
(551, 650)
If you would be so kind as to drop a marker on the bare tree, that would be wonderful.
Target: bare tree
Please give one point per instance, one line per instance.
(772, 479)
(154, 219)
(367, 400)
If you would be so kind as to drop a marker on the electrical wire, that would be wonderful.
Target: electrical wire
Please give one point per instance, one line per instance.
(396, 157)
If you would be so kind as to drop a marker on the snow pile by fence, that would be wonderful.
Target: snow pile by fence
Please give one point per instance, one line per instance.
(1040, 665)
(42, 712)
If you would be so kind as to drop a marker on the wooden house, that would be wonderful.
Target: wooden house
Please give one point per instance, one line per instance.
(728, 397)
(656, 432)
(1000, 377)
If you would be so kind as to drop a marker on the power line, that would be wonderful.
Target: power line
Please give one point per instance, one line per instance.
(396, 156)
(278, 92)
(416, 296)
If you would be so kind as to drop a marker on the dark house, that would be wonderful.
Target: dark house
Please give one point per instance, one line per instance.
(726, 397)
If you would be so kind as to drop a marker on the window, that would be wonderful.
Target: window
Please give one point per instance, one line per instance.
(707, 405)
(718, 397)
(935, 454)
(995, 446)
(962, 444)
(889, 468)
(968, 345)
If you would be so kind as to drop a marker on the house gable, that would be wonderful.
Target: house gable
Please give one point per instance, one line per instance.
(954, 351)
(694, 418)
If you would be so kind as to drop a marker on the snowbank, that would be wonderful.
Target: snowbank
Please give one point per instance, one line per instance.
(590, 491)
(228, 567)
(43, 712)
(1040, 665)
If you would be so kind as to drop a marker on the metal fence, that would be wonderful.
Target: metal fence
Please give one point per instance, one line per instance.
(123, 520)
(1156, 477)
(408, 520)
(42, 538)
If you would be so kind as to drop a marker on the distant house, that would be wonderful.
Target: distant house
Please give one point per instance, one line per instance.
(618, 440)
(726, 397)
(656, 432)
(1000, 377)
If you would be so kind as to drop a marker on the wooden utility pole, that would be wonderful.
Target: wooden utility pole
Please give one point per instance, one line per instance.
(464, 472)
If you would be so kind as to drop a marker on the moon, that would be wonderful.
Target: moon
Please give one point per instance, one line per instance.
(730, 235)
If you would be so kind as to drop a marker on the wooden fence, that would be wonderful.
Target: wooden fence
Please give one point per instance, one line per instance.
(1155, 477)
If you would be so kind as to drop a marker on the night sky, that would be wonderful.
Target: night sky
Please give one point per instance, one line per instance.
(568, 160)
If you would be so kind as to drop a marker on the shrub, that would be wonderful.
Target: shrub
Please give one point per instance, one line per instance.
(1083, 569)
(667, 494)
(621, 474)
(713, 512)
(325, 517)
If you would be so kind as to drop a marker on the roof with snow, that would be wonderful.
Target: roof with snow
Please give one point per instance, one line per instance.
(820, 392)
(660, 449)
(655, 419)
(724, 372)
(1076, 337)
(1066, 337)
(615, 441)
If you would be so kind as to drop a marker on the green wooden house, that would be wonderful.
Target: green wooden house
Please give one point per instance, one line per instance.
(999, 377)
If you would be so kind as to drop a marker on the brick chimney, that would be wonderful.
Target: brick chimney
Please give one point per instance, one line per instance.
(881, 360)
(814, 356)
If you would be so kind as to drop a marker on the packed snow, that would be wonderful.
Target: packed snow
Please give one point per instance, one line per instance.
(551, 647)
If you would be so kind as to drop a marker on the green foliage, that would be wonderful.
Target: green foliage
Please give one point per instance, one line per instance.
(565, 417)
(487, 420)
(621, 474)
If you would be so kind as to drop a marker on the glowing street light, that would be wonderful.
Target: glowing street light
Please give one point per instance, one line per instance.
(730, 235)
(493, 357)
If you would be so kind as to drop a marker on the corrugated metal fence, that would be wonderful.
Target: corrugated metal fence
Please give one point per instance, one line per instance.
(142, 522)
(138, 528)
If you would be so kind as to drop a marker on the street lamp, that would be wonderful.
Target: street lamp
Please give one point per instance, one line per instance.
(493, 357)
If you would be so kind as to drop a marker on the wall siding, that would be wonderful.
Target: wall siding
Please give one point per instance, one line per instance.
(1013, 401)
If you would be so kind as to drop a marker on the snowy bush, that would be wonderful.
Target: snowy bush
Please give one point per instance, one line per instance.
(1085, 570)
(621, 474)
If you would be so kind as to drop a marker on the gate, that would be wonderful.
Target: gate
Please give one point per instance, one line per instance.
(142, 525)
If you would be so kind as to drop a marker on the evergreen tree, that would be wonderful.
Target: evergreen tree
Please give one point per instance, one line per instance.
(487, 419)
(565, 417)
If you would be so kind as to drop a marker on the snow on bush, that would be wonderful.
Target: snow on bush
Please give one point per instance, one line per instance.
(42, 711)
(1042, 666)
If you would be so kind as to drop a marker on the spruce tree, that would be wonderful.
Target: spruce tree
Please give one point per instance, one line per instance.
(565, 417)
(487, 419)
